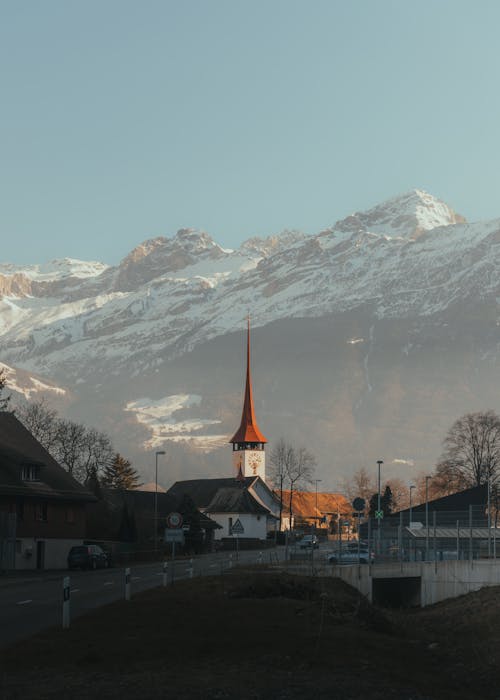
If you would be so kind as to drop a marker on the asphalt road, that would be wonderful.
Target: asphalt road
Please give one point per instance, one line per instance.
(31, 603)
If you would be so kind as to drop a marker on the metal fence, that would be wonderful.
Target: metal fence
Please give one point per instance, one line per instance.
(432, 536)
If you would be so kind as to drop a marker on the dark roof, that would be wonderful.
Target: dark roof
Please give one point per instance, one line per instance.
(475, 496)
(234, 499)
(18, 448)
(105, 518)
(202, 491)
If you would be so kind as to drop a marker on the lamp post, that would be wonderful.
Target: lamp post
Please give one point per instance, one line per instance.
(160, 452)
(427, 517)
(316, 482)
(379, 462)
(412, 486)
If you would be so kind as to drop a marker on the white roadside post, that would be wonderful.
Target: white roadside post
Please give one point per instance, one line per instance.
(260, 557)
(191, 569)
(127, 584)
(230, 561)
(66, 599)
(165, 571)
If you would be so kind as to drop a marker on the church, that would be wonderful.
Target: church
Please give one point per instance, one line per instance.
(242, 503)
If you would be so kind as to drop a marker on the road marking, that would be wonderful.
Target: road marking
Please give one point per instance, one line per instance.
(74, 590)
(25, 602)
(109, 583)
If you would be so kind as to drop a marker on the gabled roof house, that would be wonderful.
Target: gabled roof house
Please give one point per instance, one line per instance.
(42, 507)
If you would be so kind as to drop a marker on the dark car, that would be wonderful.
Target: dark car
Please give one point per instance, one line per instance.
(87, 556)
(308, 542)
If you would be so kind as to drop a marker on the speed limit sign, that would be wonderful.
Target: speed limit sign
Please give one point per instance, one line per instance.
(174, 520)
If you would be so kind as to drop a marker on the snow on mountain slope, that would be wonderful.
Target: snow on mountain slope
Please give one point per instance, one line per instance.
(170, 294)
(407, 215)
(55, 270)
(29, 387)
(161, 418)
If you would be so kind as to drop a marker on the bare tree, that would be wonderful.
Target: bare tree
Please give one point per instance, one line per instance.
(69, 447)
(299, 472)
(42, 422)
(84, 452)
(280, 459)
(291, 467)
(362, 484)
(471, 454)
(97, 453)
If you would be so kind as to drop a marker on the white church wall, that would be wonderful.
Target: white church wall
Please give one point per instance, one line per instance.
(254, 526)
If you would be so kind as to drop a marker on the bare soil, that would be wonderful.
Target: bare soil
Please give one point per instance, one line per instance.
(263, 636)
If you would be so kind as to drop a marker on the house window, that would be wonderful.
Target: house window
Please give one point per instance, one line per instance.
(230, 526)
(70, 515)
(41, 512)
(30, 472)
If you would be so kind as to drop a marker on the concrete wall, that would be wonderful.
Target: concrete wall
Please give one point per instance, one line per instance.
(54, 556)
(439, 580)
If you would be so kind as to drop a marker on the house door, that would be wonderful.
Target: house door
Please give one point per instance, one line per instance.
(40, 554)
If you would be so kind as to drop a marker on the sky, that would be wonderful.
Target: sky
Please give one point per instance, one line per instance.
(123, 120)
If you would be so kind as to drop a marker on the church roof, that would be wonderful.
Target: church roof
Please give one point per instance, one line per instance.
(234, 499)
(202, 491)
(248, 430)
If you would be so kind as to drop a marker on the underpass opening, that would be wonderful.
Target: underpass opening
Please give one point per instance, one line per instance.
(404, 592)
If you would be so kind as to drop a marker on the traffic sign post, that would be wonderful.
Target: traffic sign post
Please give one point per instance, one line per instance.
(66, 599)
(174, 521)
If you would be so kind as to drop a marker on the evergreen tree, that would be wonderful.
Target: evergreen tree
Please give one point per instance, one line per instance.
(120, 474)
(386, 502)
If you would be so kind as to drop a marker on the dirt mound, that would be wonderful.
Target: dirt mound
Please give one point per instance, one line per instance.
(270, 636)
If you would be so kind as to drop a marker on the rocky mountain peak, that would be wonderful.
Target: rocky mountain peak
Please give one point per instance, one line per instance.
(408, 216)
(159, 256)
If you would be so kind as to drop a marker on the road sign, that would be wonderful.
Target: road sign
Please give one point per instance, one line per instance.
(359, 504)
(174, 520)
(172, 535)
(379, 514)
(237, 528)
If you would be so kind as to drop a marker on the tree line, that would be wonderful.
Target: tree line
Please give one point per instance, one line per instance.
(86, 453)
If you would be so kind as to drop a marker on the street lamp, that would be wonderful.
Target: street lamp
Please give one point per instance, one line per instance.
(412, 486)
(379, 462)
(316, 481)
(160, 452)
(427, 517)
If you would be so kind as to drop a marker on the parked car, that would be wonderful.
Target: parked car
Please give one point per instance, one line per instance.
(308, 542)
(351, 556)
(87, 556)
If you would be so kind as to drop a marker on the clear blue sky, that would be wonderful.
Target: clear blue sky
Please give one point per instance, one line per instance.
(122, 120)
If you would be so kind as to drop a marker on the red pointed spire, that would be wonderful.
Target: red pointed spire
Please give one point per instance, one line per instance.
(248, 430)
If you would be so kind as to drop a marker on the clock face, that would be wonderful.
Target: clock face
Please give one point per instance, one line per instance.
(255, 461)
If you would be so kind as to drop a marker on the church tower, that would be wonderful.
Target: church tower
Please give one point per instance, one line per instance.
(248, 442)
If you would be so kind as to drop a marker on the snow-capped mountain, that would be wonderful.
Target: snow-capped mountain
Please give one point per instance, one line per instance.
(125, 336)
